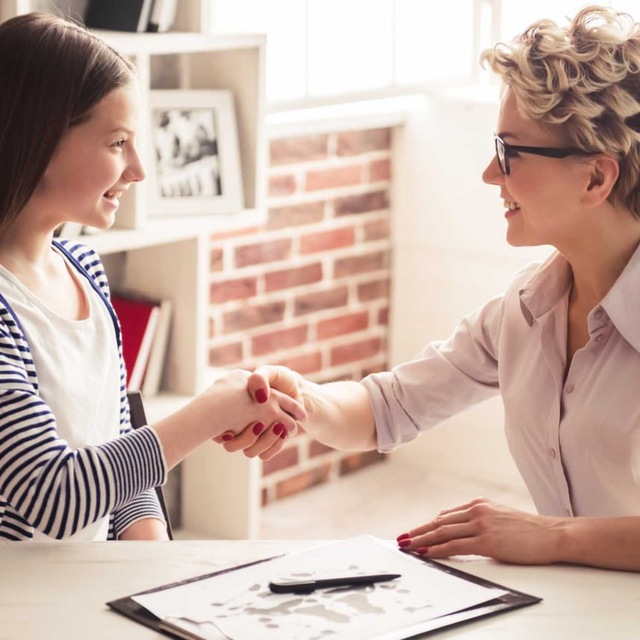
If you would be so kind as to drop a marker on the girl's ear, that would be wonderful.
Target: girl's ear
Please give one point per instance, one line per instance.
(605, 170)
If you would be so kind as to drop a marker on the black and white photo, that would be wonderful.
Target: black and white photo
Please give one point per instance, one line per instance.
(195, 160)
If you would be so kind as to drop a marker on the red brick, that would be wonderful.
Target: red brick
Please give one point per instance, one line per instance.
(327, 240)
(224, 355)
(282, 185)
(295, 277)
(383, 316)
(380, 170)
(372, 201)
(216, 260)
(295, 215)
(296, 150)
(368, 291)
(377, 230)
(302, 481)
(277, 340)
(354, 142)
(317, 449)
(342, 325)
(355, 351)
(286, 458)
(238, 289)
(357, 461)
(263, 252)
(334, 178)
(253, 316)
(216, 236)
(304, 364)
(361, 264)
(321, 300)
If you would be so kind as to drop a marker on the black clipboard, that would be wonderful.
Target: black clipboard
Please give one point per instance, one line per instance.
(510, 601)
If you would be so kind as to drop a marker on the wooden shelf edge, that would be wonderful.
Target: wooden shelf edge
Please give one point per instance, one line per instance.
(166, 230)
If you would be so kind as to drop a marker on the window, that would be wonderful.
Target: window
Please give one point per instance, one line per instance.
(328, 51)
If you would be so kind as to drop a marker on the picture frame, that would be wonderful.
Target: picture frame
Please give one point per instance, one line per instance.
(194, 156)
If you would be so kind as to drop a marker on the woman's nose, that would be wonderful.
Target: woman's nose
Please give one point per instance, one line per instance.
(492, 173)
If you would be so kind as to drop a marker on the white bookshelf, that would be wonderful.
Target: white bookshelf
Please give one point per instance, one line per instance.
(169, 256)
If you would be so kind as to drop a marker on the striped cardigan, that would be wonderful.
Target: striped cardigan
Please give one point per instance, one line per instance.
(44, 484)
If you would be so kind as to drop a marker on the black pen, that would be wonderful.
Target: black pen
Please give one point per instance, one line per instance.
(327, 583)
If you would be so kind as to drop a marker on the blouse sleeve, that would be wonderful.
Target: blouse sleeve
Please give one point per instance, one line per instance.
(445, 378)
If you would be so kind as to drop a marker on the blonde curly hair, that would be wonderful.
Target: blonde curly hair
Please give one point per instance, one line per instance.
(585, 77)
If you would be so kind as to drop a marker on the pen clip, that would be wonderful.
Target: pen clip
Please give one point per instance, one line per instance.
(292, 587)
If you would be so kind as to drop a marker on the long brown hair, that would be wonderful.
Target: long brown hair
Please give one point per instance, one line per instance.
(53, 72)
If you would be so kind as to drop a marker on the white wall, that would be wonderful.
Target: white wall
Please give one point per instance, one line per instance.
(450, 257)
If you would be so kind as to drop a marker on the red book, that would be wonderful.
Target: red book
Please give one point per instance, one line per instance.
(138, 320)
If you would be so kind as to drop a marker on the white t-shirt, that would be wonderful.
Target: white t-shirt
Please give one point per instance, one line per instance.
(78, 372)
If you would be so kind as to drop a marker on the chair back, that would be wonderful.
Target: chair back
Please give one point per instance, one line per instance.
(139, 419)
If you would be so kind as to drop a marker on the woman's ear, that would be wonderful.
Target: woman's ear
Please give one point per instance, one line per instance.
(605, 170)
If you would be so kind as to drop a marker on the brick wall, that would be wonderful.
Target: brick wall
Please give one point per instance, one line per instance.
(310, 290)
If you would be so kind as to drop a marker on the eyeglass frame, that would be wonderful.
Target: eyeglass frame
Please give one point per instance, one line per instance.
(547, 152)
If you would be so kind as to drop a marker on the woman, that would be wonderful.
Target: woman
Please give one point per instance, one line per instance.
(562, 344)
(70, 465)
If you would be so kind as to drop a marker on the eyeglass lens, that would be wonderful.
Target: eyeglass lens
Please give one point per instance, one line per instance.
(502, 156)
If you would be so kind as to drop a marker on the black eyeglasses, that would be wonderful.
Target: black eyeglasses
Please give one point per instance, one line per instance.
(505, 151)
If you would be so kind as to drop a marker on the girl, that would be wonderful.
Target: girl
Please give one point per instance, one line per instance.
(70, 465)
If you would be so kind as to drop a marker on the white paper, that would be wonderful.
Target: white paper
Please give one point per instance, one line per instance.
(241, 606)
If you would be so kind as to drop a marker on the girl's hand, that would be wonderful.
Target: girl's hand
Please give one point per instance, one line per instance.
(256, 440)
(483, 528)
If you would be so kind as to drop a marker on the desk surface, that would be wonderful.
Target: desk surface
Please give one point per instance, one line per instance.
(58, 590)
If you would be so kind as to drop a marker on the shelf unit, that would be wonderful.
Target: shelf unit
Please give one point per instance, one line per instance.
(168, 257)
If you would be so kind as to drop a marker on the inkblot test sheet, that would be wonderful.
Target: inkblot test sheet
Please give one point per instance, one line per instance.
(238, 604)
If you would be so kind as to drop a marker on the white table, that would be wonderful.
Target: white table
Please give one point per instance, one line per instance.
(58, 590)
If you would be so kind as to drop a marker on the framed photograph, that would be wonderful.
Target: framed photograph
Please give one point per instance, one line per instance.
(195, 160)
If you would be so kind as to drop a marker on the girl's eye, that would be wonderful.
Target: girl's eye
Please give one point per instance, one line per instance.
(119, 144)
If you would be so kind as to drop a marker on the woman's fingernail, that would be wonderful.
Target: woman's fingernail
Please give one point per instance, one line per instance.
(258, 427)
(261, 396)
(284, 434)
(402, 536)
(422, 550)
(227, 436)
(278, 428)
(405, 542)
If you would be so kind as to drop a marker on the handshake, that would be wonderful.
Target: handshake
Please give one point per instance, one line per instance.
(263, 409)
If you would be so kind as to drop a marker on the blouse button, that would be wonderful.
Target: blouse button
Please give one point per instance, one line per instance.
(552, 453)
(599, 338)
(598, 314)
(569, 388)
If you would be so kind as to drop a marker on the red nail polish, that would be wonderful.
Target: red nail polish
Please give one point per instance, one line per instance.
(258, 427)
(261, 396)
(422, 550)
(402, 536)
(227, 436)
(404, 543)
(278, 428)
(284, 434)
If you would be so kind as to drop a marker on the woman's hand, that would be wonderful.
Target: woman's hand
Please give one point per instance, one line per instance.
(483, 528)
(283, 379)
